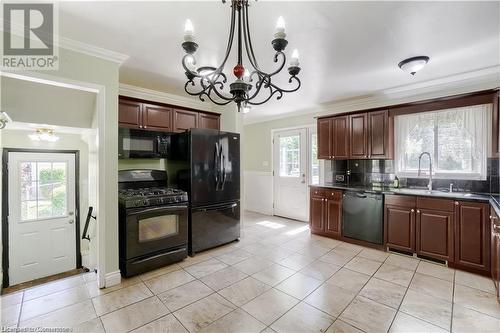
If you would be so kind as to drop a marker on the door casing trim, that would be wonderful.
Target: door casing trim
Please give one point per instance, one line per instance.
(5, 204)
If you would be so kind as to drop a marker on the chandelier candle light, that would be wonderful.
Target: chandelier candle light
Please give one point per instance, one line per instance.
(208, 81)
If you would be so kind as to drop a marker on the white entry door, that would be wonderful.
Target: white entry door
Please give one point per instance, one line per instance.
(290, 174)
(42, 234)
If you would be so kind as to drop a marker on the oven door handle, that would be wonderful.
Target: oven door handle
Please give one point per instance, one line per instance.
(159, 209)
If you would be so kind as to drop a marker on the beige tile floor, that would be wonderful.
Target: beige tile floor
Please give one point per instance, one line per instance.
(277, 278)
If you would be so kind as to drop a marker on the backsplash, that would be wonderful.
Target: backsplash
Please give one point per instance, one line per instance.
(381, 173)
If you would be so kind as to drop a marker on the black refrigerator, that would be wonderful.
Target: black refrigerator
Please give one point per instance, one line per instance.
(210, 173)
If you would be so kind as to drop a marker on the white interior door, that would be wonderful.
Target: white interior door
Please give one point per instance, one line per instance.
(42, 239)
(290, 174)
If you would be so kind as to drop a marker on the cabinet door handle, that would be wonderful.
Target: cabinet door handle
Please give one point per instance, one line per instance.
(418, 211)
(457, 203)
(413, 210)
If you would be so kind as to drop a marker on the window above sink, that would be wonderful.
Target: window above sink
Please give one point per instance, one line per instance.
(457, 139)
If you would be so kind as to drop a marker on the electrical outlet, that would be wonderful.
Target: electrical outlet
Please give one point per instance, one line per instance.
(339, 178)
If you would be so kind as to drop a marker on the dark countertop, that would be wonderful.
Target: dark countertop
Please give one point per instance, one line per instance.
(408, 191)
(495, 204)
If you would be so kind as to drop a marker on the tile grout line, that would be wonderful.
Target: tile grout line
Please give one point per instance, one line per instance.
(452, 301)
(402, 299)
(20, 312)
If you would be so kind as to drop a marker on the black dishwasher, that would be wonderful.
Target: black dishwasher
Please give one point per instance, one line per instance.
(363, 216)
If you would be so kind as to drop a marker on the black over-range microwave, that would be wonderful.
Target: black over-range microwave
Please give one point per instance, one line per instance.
(136, 143)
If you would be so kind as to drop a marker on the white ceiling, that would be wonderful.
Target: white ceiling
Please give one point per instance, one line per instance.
(46, 105)
(348, 49)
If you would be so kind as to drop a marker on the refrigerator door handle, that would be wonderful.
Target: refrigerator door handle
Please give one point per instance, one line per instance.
(223, 171)
(220, 169)
(216, 166)
(215, 208)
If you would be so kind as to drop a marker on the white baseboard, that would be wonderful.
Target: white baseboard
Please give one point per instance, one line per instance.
(258, 187)
(112, 279)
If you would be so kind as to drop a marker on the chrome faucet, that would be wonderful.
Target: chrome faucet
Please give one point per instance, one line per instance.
(429, 186)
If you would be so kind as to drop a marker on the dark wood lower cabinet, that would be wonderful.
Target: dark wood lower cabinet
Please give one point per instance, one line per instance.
(399, 226)
(317, 214)
(454, 231)
(472, 233)
(434, 234)
(325, 212)
(333, 217)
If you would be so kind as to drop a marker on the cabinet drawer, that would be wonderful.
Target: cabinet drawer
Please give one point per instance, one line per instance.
(401, 200)
(317, 192)
(333, 194)
(438, 204)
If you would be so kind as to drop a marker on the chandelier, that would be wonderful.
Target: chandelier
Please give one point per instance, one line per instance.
(252, 85)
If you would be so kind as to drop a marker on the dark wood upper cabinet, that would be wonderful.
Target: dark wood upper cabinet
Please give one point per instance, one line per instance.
(130, 114)
(184, 120)
(358, 128)
(356, 136)
(495, 249)
(340, 137)
(156, 117)
(324, 138)
(434, 234)
(211, 121)
(380, 134)
(472, 235)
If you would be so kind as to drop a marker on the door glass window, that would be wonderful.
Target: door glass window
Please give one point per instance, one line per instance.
(314, 159)
(157, 227)
(43, 190)
(290, 156)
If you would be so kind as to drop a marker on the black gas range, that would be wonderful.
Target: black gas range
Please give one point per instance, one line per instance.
(153, 221)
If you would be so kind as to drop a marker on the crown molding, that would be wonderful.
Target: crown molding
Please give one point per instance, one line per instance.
(162, 97)
(483, 79)
(77, 46)
(92, 50)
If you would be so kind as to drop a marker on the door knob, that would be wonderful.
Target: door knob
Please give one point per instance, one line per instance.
(71, 221)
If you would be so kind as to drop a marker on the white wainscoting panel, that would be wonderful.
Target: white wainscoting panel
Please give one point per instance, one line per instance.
(258, 191)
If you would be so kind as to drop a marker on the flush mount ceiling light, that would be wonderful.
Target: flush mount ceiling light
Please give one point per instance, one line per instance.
(210, 81)
(413, 64)
(44, 134)
(4, 119)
